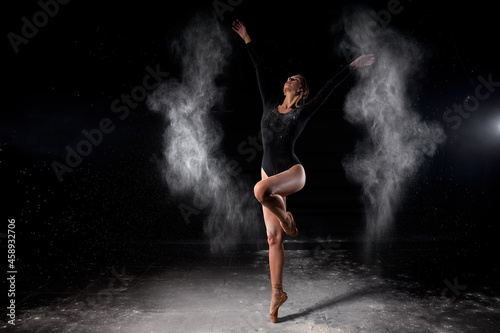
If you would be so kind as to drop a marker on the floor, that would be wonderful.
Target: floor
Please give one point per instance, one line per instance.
(332, 287)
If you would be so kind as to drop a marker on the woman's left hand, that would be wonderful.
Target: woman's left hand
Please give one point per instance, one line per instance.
(362, 61)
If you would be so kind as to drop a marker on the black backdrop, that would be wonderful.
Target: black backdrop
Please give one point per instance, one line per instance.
(66, 77)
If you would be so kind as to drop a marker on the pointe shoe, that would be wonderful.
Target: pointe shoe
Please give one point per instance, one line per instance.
(290, 229)
(274, 313)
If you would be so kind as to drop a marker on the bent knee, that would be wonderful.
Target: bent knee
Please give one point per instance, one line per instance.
(261, 191)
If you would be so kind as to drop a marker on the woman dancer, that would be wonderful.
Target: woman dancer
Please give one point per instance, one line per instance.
(282, 174)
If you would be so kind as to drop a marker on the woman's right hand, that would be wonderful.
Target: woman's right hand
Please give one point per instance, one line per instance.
(241, 30)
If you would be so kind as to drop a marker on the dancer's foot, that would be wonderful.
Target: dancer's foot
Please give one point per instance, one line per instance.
(278, 298)
(289, 225)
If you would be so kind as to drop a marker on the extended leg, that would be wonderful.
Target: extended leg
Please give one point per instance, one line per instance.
(275, 236)
(277, 188)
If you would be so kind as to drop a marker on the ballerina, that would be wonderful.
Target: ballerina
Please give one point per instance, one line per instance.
(281, 172)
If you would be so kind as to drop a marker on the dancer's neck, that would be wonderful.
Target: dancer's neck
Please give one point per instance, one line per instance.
(290, 102)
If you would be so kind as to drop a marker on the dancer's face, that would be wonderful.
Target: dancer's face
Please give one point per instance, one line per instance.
(293, 84)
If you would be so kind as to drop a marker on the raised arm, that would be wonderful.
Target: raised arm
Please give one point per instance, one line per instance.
(314, 104)
(263, 78)
(241, 30)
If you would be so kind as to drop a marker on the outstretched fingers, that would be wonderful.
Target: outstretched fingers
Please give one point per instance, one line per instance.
(364, 60)
(369, 59)
(237, 25)
(241, 30)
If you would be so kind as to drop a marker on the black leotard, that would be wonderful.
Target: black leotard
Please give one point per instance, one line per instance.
(281, 130)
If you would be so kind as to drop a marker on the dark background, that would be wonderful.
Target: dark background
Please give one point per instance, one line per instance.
(66, 77)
